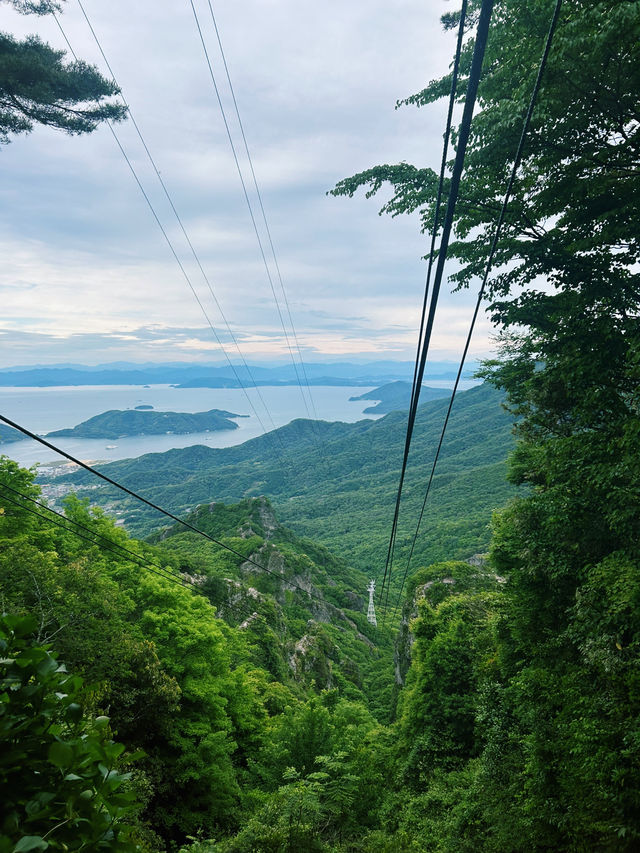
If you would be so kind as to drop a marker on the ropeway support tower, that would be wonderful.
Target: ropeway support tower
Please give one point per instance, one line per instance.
(371, 612)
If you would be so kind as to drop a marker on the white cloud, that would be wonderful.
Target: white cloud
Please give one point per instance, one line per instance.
(84, 262)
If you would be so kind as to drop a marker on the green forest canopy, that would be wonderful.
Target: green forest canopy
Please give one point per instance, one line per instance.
(517, 729)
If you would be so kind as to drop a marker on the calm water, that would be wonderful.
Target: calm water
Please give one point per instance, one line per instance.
(45, 409)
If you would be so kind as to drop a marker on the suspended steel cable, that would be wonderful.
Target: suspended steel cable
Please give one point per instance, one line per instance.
(482, 33)
(262, 210)
(109, 545)
(181, 224)
(105, 544)
(149, 503)
(249, 205)
(174, 575)
(488, 267)
(171, 246)
(443, 166)
(434, 231)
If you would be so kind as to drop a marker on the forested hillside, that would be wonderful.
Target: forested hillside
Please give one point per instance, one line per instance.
(7, 434)
(533, 691)
(229, 677)
(395, 396)
(221, 690)
(340, 490)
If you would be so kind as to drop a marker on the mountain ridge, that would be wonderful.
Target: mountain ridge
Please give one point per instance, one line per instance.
(342, 493)
(372, 373)
(395, 396)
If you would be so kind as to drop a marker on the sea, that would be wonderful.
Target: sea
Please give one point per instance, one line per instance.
(43, 410)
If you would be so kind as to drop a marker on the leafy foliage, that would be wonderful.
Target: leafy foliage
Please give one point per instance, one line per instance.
(61, 784)
(38, 87)
(199, 696)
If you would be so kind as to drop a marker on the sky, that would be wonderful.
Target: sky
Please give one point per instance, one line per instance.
(87, 275)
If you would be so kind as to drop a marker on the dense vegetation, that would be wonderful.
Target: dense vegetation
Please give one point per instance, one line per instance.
(518, 725)
(551, 672)
(121, 423)
(222, 708)
(341, 493)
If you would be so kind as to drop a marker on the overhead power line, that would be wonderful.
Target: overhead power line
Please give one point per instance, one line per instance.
(246, 196)
(482, 33)
(104, 542)
(109, 545)
(494, 244)
(150, 504)
(167, 239)
(262, 210)
(434, 232)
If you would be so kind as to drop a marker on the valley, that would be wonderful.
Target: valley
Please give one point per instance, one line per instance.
(264, 596)
(335, 482)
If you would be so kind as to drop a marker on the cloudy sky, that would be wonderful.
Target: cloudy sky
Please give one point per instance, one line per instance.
(87, 275)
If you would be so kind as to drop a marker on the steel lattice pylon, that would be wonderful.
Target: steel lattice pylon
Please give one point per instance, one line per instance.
(371, 612)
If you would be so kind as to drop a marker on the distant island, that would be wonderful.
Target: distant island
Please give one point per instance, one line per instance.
(123, 424)
(9, 434)
(395, 396)
(143, 408)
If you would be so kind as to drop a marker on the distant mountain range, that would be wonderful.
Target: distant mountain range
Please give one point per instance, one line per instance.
(217, 376)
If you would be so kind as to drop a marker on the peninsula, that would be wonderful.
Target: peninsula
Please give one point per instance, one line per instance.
(395, 397)
(9, 434)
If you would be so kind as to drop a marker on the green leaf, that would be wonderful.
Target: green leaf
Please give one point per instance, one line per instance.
(60, 754)
(30, 842)
(74, 712)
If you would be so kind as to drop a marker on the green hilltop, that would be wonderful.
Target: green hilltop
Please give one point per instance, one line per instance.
(395, 397)
(9, 434)
(118, 423)
(305, 610)
(336, 482)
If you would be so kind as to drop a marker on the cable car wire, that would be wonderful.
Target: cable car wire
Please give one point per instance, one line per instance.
(248, 203)
(262, 210)
(482, 33)
(149, 503)
(106, 544)
(488, 267)
(434, 232)
(182, 226)
(443, 165)
(168, 240)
